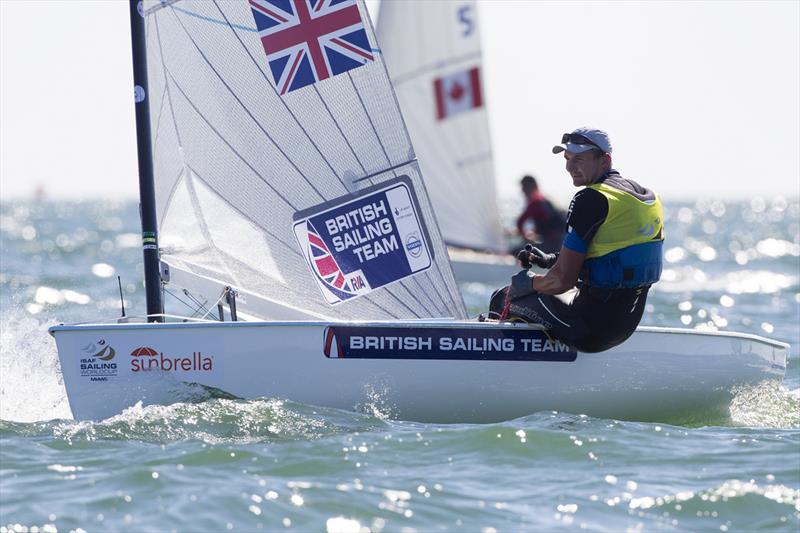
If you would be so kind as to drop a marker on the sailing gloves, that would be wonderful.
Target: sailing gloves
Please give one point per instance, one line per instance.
(521, 284)
(533, 256)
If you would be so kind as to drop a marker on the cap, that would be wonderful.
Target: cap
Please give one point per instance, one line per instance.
(583, 139)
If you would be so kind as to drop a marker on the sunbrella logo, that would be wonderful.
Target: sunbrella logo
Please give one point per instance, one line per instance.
(145, 359)
(144, 351)
(96, 364)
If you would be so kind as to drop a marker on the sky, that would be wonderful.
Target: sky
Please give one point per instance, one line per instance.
(700, 99)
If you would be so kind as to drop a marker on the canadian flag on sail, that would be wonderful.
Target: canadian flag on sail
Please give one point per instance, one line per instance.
(457, 93)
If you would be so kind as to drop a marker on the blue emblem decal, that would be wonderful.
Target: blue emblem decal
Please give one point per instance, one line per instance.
(354, 245)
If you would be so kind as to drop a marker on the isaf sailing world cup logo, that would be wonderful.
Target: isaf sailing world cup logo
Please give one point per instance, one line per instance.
(97, 364)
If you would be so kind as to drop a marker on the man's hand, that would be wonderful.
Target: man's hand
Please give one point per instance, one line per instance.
(521, 284)
(534, 256)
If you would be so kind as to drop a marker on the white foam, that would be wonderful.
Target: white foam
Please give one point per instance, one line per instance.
(31, 387)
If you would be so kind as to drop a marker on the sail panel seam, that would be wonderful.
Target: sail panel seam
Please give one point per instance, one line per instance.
(247, 110)
(286, 106)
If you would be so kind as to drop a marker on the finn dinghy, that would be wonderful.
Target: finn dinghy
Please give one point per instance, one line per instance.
(437, 73)
(278, 184)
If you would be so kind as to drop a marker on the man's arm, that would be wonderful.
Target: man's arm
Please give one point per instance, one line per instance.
(564, 274)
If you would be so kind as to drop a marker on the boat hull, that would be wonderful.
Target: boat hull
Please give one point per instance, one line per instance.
(658, 374)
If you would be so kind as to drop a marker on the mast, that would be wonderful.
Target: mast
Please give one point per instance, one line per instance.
(147, 195)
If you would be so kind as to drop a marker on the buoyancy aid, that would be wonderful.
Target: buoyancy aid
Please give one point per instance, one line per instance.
(626, 250)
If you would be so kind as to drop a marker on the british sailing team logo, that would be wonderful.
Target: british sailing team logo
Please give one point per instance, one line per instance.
(356, 244)
(97, 364)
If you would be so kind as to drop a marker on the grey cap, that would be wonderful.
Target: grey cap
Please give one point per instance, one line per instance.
(599, 140)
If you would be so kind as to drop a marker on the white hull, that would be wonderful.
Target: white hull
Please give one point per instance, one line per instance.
(658, 374)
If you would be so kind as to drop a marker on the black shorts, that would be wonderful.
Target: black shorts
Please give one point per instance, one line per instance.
(588, 319)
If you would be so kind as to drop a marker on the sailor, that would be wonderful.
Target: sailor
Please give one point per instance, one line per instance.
(593, 294)
(548, 220)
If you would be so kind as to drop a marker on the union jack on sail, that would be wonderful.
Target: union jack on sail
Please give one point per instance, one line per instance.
(307, 41)
(325, 264)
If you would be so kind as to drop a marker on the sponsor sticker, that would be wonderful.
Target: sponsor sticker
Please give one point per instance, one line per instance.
(367, 342)
(147, 359)
(98, 362)
(354, 245)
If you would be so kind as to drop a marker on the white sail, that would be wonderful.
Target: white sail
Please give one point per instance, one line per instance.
(433, 52)
(238, 154)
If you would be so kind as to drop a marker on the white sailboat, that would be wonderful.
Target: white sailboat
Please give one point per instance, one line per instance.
(437, 73)
(279, 185)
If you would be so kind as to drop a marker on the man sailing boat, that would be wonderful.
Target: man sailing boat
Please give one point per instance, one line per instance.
(593, 294)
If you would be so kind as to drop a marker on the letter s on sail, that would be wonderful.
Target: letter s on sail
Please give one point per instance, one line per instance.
(465, 18)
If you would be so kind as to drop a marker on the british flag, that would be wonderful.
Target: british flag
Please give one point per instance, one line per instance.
(325, 265)
(310, 40)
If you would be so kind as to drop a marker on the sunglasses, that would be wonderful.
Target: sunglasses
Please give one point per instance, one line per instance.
(576, 138)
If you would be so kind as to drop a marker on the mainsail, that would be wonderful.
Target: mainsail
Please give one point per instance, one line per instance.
(433, 53)
(250, 133)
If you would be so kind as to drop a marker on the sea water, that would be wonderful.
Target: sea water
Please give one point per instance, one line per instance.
(271, 464)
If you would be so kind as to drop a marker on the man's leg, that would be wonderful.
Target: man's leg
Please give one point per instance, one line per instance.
(556, 313)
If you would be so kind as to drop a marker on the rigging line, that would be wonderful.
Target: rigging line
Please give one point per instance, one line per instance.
(246, 110)
(243, 160)
(199, 306)
(196, 307)
(285, 105)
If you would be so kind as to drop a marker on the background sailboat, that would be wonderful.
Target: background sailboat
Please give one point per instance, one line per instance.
(433, 52)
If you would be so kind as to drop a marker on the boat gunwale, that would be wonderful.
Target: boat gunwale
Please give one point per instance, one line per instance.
(424, 323)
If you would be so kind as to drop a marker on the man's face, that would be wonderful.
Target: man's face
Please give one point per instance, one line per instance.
(584, 167)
